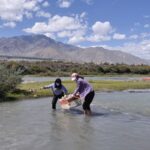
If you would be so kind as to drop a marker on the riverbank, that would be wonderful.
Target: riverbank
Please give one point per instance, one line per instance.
(34, 90)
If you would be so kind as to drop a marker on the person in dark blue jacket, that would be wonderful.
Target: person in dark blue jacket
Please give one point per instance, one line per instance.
(58, 90)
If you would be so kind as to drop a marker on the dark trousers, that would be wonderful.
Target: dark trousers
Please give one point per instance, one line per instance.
(55, 99)
(88, 100)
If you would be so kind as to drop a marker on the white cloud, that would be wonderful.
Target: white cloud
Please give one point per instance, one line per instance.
(76, 36)
(83, 15)
(11, 10)
(89, 2)
(29, 15)
(64, 3)
(146, 26)
(137, 24)
(76, 39)
(147, 16)
(43, 14)
(45, 4)
(29, 5)
(118, 36)
(101, 32)
(102, 28)
(75, 29)
(16, 10)
(98, 38)
(61, 26)
(133, 37)
(9, 24)
(145, 35)
(64, 34)
(50, 35)
(139, 49)
(40, 1)
(132, 29)
(38, 28)
(58, 23)
(145, 45)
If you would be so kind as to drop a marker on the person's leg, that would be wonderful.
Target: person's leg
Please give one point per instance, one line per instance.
(54, 101)
(86, 105)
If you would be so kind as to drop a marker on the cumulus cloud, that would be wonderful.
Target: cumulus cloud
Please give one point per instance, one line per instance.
(40, 1)
(118, 36)
(75, 29)
(61, 26)
(64, 3)
(43, 14)
(102, 28)
(45, 4)
(16, 10)
(9, 24)
(64, 34)
(133, 37)
(144, 35)
(101, 31)
(28, 15)
(98, 38)
(76, 39)
(139, 49)
(89, 2)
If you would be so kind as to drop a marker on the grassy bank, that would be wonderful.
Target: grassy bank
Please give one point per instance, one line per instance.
(33, 90)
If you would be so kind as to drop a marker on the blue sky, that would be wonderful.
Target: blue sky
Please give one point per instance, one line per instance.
(113, 24)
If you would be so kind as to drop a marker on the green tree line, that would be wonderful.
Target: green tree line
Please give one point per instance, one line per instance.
(53, 68)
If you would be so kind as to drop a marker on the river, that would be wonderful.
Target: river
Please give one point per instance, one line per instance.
(27, 79)
(120, 121)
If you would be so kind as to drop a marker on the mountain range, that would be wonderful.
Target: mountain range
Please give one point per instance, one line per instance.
(40, 46)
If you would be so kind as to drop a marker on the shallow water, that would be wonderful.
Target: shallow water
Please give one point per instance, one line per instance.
(27, 79)
(119, 122)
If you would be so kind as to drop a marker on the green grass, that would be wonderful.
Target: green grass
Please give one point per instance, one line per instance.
(119, 85)
(33, 90)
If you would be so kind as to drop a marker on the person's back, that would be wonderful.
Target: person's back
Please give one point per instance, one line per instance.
(85, 91)
(83, 87)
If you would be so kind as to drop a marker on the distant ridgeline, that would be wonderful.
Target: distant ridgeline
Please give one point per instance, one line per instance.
(40, 47)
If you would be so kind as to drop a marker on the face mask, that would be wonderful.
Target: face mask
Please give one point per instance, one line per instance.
(73, 78)
(57, 84)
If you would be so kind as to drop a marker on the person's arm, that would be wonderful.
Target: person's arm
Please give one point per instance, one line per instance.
(64, 90)
(48, 86)
(79, 85)
(73, 97)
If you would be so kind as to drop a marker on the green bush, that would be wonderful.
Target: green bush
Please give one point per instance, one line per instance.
(9, 79)
(60, 68)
